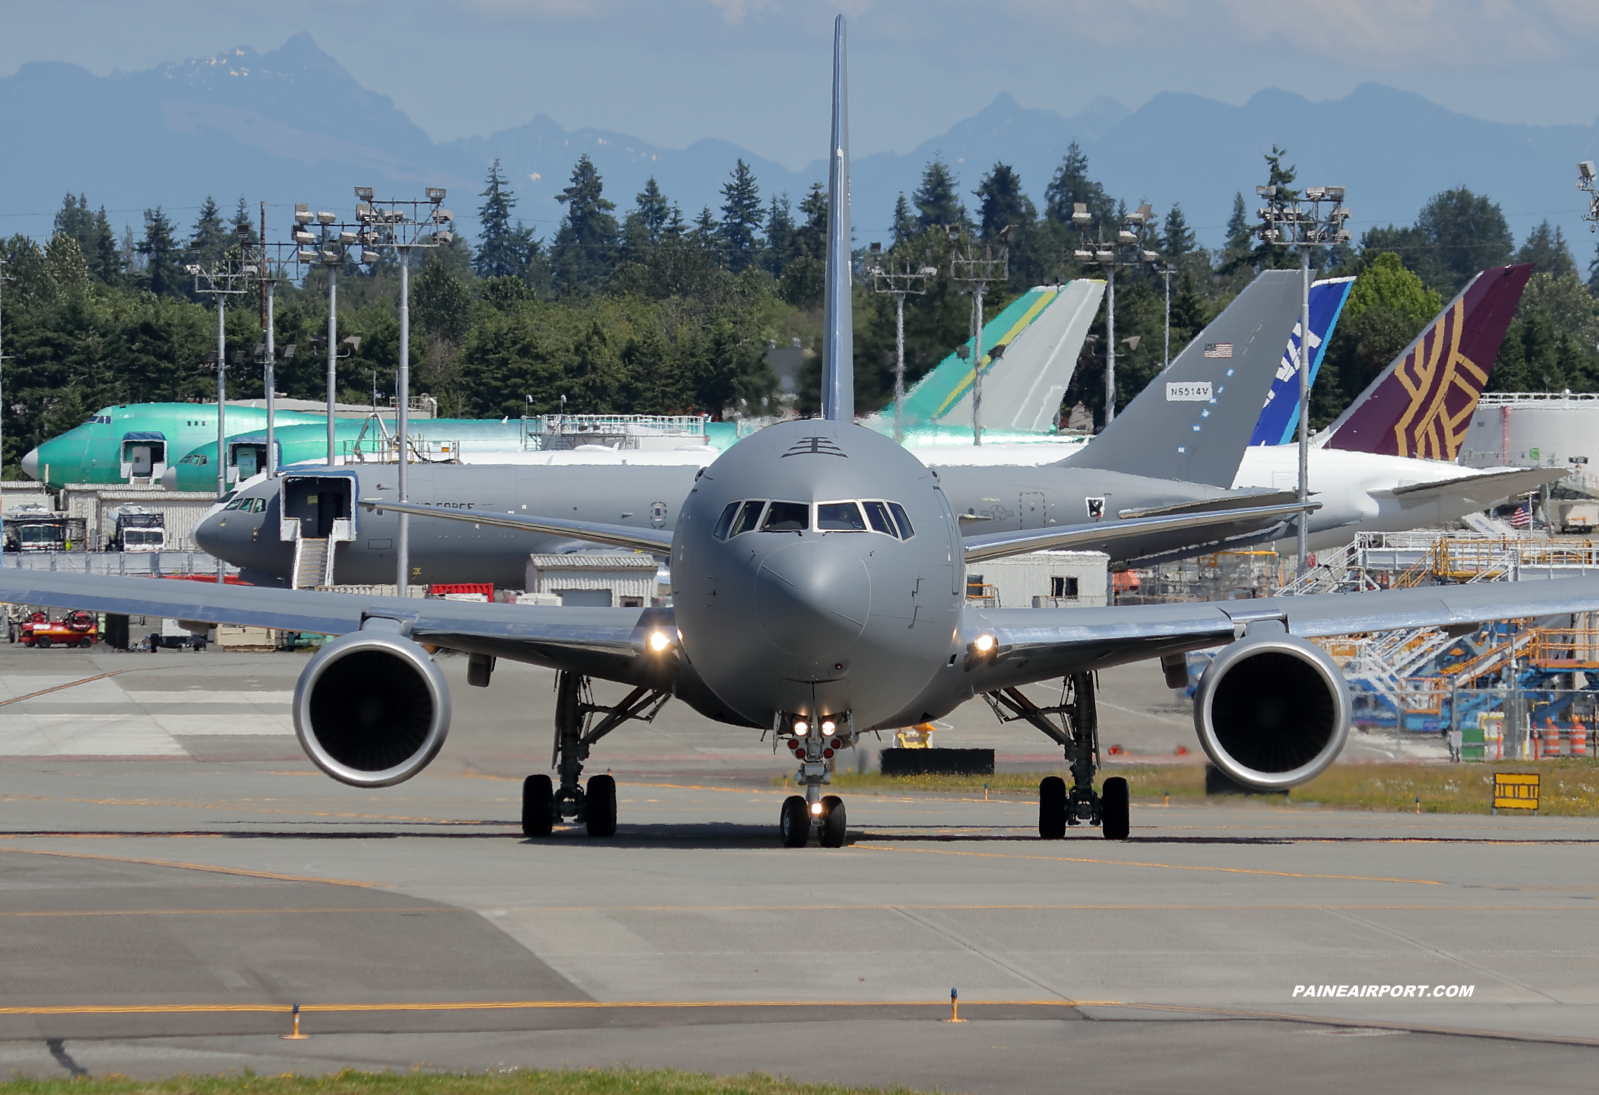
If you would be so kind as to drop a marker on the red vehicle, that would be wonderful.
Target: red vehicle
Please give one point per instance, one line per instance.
(77, 629)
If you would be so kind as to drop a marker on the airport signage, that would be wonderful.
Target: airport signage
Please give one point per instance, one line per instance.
(1515, 791)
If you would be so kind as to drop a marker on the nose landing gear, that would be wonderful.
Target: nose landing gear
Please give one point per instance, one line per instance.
(1078, 736)
(814, 746)
(544, 804)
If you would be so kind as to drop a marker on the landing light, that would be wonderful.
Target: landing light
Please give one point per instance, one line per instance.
(801, 728)
(984, 644)
(659, 641)
(828, 726)
(816, 808)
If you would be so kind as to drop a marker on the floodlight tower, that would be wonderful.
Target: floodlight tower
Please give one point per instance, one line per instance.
(977, 271)
(227, 276)
(900, 282)
(1588, 183)
(329, 247)
(1166, 270)
(405, 225)
(1290, 219)
(4, 277)
(1124, 248)
(270, 259)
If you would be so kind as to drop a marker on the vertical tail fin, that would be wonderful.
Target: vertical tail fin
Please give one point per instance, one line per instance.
(1422, 403)
(1279, 418)
(1193, 421)
(838, 346)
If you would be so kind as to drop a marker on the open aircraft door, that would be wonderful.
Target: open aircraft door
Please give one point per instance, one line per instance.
(144, 457)
(247, 459)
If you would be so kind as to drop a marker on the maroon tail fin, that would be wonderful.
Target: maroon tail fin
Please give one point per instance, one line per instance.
(1422, 403)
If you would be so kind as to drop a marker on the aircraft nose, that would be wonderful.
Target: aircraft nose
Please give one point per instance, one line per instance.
(30, 464)
(812, 598)
(169, 478)
(210, 536)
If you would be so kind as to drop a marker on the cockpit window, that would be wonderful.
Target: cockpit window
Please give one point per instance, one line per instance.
(877, 514)
(748, 517)
(195, 458)
(787, 517)
(839, 517)
(902, 520)
(725, 522)
(237, 503)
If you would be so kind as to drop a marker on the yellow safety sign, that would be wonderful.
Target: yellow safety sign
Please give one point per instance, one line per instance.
(1515, 791)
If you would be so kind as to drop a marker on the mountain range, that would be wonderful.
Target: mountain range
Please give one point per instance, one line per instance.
(292, 125)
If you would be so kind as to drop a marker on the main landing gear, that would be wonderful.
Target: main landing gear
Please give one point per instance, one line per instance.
(543, 803)
(1078, 735)
(813, 747)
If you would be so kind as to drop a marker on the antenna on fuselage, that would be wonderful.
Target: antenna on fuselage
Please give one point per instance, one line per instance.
(838, 331)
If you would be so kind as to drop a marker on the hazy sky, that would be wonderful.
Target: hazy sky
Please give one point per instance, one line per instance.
(754, 71)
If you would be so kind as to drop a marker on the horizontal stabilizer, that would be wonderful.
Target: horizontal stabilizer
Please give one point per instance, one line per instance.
(1483, 488)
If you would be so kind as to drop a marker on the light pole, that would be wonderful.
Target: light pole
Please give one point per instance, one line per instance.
(227, 276)
(900, 283)
(4, 277)
(1126, 248)
(329, 247)
(1166, 270)
(977, 273)
(270, 264)
(404, 225)
(1291, 220)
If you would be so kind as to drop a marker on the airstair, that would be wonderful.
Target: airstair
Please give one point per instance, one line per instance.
(313, 563)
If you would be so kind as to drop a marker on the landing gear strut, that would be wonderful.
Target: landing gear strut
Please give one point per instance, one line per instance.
(814, 746)
(1078, 735)
(543, 803)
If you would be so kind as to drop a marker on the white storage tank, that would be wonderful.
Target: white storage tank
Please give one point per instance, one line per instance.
(1534, 429)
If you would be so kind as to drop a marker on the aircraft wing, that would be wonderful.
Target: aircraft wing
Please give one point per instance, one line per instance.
(655, 541)
(602, 641)
(1486, 488)
(1148, 532)
(1035, 644)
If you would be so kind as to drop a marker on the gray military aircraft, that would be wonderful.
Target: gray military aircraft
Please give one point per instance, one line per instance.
(818, 586)
(1174, 451)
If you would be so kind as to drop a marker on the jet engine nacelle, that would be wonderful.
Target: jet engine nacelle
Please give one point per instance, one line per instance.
(1272, 711)
(371, 709)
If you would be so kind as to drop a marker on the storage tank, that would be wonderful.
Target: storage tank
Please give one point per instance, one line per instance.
(1534, 429)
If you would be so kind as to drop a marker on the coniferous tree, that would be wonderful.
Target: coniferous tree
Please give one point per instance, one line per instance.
(160, 256)
(1072, 185)
(779, 236)
(1178, 238)
(741, 219)
(1546, 247)
(707, 235)
(1239, 233)
(905, 224)
(585, 247)
(243, 223)
(93, 235)
(210, 240)
(937, 202)
(504, 249)
(1001, 202)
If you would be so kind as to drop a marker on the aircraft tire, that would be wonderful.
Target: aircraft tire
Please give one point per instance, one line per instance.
(835, 822)
(795, 822)
(1052, 808)
(1115, 822)
(537, 792)
(599, 806)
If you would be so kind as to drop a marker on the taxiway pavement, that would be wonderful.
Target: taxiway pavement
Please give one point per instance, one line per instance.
(163, 906)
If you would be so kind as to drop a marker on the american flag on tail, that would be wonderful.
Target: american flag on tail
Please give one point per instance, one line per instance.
(1522, 518)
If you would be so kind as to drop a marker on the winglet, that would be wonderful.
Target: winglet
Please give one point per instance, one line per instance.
(1422, 403)
(838, 347)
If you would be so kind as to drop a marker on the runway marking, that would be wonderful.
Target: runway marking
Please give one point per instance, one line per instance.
(86, 680)
(225, 912)
(1035, 908)
(270, 810)
(198, 867)
(1140, 863)
(936, 1007)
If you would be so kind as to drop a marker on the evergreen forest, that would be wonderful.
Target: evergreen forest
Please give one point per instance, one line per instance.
(634, 306)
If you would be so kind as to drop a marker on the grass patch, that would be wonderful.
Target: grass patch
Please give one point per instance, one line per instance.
(1570, 788)
(601, 1081)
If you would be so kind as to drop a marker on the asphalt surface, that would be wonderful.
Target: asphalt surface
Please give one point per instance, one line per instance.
(174, 875)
